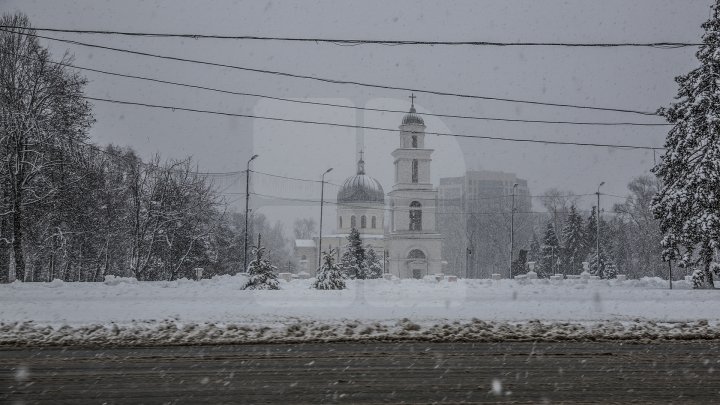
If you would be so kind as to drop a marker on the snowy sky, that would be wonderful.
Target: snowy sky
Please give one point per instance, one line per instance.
(633, 78)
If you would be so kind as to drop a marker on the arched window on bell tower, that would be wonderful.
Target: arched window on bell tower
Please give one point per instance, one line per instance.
(414, 171)
(415, 216)
(414, 141)
(373, 222)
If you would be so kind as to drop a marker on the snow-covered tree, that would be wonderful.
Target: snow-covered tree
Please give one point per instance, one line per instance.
(688, 203)
(329, 275)
(373, 264)
(573, 242)
(606, 268)
(261, 273)
(549, 253)
(534, 254)
(353, 260)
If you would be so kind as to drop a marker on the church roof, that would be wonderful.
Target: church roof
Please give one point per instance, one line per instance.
(361, 188)
(412, 118)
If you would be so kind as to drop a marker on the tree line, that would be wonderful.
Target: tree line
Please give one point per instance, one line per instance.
(629, 240)
(77, 212)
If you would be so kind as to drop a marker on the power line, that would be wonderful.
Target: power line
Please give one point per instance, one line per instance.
(198, 87)
(336, 81)
(528, 140)
(346, 41)
(383, 208)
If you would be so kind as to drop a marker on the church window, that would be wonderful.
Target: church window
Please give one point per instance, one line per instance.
(340, 221)
(363, 222)
(373, 223)
(415, 216)
(352, 222)
(303, 257)
(414, 141)
(414, 171)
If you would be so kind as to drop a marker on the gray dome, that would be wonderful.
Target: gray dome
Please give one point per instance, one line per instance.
(361, 188)
(412, 118)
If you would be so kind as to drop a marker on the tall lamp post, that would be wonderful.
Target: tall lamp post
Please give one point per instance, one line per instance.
(247, 205)
(512, 229)
(322, 200)
(597, 227)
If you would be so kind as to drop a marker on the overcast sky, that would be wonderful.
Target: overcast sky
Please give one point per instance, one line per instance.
(633, 78)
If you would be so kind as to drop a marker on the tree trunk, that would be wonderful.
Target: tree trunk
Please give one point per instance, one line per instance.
(4, 251)
(17, 240)
(709, 283)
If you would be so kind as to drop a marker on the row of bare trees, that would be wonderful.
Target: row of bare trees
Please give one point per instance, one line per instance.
(76, 212)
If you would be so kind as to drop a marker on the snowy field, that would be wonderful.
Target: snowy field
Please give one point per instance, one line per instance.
(123, 311)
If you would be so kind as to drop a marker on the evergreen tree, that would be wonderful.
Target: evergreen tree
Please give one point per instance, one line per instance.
(574, 239)
(373, 264)
(534, 254)
(549, 253)
(606, 269)
(687, 203)
(329, 275)
(260, 272)
(353, 260)
(591, 233)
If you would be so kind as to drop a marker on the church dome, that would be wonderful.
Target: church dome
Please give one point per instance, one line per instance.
(361, 188)
(412, 118)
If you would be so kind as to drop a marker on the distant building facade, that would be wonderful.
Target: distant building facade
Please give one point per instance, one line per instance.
(475, 215)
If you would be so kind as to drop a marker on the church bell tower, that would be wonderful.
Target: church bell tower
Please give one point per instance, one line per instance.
(414, 243)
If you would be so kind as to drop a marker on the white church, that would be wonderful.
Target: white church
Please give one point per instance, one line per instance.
(410, 244)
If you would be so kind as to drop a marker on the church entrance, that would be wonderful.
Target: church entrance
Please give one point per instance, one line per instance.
(417, 263)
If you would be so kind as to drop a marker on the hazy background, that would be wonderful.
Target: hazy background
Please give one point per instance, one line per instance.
(633, 78)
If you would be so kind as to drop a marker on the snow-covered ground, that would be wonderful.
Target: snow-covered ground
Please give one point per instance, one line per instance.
(123, 311)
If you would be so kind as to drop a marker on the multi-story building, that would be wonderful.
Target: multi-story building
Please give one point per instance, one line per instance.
(474, 216)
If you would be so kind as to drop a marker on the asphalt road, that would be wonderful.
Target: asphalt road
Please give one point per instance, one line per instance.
(687, 372)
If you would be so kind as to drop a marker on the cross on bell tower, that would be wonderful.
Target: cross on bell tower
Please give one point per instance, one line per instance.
(412, 97)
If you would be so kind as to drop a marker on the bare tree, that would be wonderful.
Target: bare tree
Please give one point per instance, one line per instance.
(42, 111)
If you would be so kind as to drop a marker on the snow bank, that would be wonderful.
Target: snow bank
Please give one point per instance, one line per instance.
(125, 311)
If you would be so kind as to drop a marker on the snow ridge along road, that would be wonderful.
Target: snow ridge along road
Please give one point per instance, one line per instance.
(124, 312)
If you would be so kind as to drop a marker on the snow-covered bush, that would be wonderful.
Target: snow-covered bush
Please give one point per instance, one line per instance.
(329, 275)
(261, 273)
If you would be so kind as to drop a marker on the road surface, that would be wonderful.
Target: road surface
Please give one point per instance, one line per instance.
(685, 372)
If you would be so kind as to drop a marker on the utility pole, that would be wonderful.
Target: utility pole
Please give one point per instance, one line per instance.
(247, 205)
(512, 229)
(597, 226)
(322, 196)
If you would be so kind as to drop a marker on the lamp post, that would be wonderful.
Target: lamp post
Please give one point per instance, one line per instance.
(322, 191)
(247, 205)
(597, 227)
(512, 229)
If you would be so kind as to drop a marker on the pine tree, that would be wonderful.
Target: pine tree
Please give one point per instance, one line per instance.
(373, 264)
(353, 260)
(549, 252)
(607, 268)
(260, 272)
(329, 275)
(574, 239)
(591, 233)
(687, 203)
(534, 254)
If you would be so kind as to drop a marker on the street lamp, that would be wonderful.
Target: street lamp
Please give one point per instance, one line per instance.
(322, 190)
(597, 227)
(247, 205)
(512, 229)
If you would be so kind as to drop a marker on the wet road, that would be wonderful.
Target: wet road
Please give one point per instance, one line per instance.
(366, 373)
